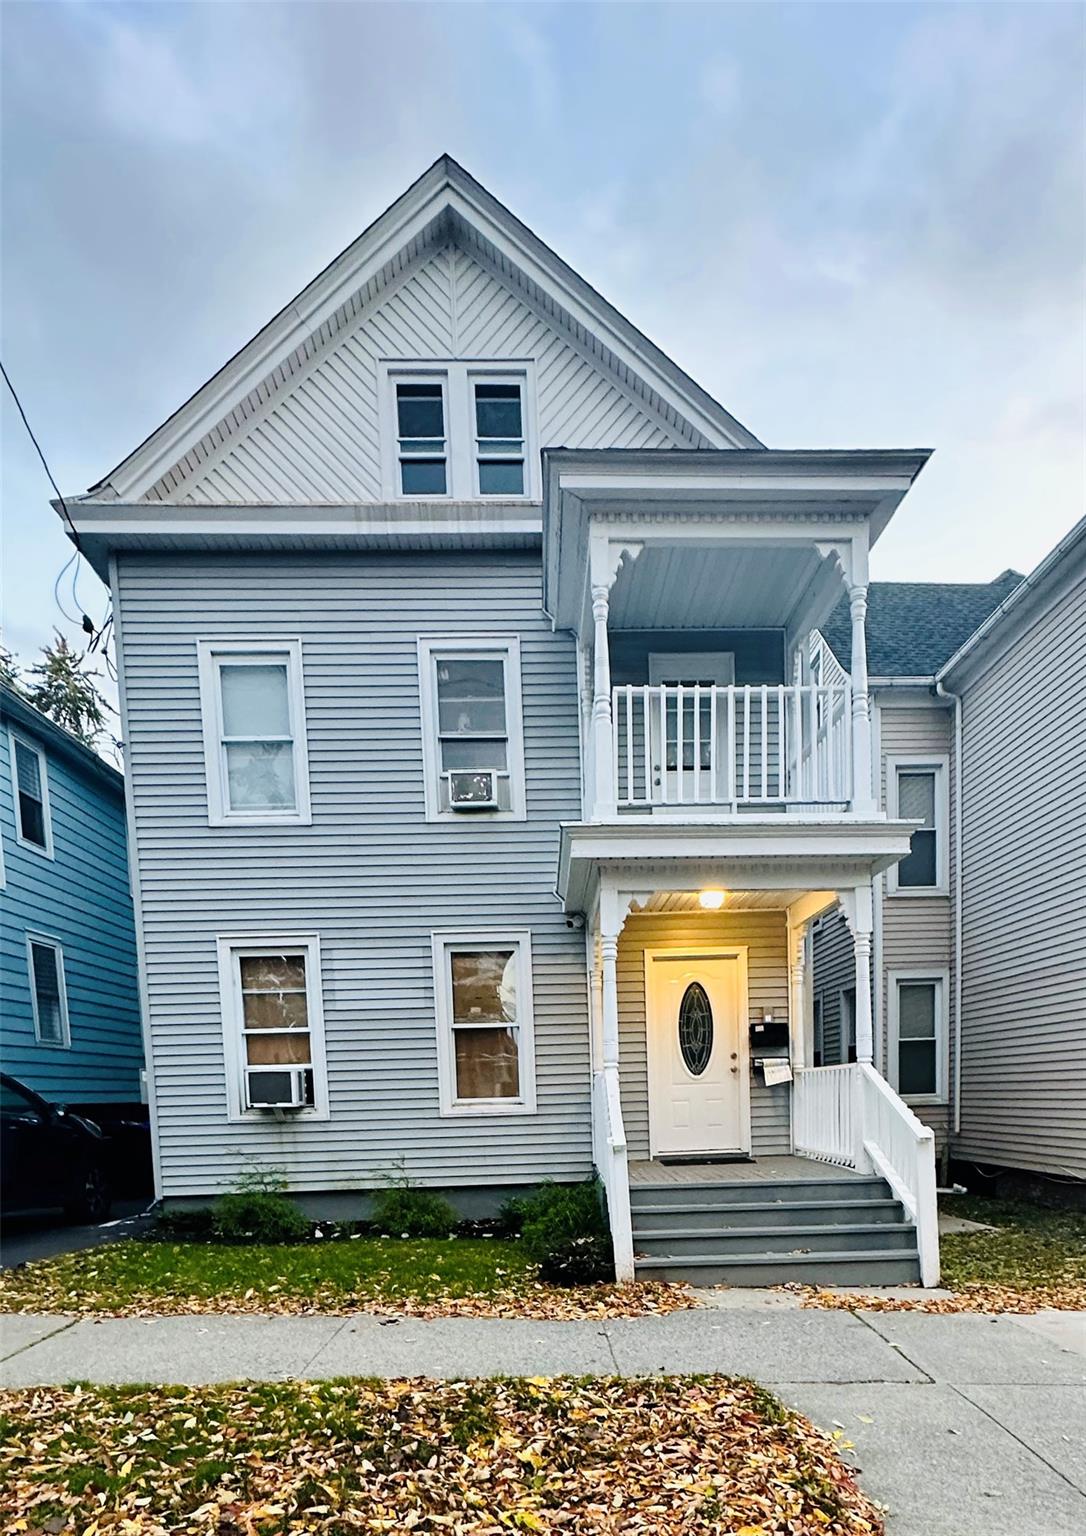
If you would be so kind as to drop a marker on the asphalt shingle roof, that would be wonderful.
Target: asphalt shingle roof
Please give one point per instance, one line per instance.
(913, 627)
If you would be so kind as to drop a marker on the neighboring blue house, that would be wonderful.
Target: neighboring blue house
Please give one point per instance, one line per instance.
(69, 1001)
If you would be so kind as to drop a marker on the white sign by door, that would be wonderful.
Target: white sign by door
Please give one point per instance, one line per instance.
(699, 1097)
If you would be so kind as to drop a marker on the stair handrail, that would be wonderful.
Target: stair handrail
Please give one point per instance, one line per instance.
(612, 1167)
(902, 1151)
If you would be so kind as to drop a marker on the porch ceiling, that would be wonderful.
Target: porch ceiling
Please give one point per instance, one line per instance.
(737, 901)
(712, 587)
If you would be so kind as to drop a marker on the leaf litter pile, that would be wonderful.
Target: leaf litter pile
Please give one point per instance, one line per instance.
(666, 1455)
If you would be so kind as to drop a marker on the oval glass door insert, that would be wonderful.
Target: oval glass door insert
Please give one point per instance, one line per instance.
(696, 1028)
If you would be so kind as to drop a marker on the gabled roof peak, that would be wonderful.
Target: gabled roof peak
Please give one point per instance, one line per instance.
(445, 201)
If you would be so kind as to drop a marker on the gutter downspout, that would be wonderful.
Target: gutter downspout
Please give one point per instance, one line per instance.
(956, 833)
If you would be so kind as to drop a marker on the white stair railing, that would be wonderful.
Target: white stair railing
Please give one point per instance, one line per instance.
(850, 1116)
(609, 1154)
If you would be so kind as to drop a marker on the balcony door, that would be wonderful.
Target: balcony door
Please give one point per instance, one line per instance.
(681, 738)
(699, 1093)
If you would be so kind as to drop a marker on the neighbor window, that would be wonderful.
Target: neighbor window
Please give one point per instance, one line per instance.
(420, 429)
(918, 1034)
(818, 1043)
(254, 731)
(273, 1025)
(483, 987)
(31, 784)
(456, 429)
(499, 438)
(49, 999)
(918, 793)
(470, 694)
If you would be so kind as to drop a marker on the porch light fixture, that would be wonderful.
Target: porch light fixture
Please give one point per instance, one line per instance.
(712, 901)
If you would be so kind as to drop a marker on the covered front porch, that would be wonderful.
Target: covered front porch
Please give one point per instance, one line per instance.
(718, 1142)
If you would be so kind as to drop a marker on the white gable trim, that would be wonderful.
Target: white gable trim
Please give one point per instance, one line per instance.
(419, 215)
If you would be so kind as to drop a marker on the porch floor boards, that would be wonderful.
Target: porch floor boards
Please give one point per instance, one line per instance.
(786, 1169)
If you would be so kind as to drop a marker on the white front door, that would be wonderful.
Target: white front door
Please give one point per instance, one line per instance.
(699, 1102)
(681, 739)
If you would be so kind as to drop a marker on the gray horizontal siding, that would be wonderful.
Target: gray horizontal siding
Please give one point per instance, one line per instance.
(1024, 955)
(764, 935)
(370, 876)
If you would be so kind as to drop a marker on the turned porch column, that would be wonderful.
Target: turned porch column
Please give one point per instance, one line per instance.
(797, 986)
(863, 799)
(603, 768)
(858, 907)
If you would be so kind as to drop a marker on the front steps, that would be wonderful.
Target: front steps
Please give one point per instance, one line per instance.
(831, 1230)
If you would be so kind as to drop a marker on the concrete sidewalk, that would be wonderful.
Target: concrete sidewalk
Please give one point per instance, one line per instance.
(963, 1425)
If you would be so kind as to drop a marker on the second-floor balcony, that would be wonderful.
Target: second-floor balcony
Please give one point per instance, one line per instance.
(751, 748)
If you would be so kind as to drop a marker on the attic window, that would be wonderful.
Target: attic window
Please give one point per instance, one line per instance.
(458, 430)
(420, 425)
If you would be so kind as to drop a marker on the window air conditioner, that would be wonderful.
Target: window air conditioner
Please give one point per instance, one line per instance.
(473, 791)
(277, 1089)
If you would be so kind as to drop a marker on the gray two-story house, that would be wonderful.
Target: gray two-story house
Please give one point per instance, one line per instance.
(483, 783)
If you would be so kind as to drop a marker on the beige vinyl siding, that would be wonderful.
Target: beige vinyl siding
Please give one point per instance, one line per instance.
(764, 935)
(371, 877)
(917, 931)
(1023, 1078)
(311, 433)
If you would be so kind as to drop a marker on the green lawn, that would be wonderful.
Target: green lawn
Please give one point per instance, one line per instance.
(159, 1276)
(1032, 1248)
(669, 1455)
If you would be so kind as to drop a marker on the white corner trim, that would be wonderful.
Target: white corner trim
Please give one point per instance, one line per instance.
(922, 762)
(444, 942)
(939, 977)
(15, 735)
(47, 941)
(430, 649)
(209, 653)
(230, 946)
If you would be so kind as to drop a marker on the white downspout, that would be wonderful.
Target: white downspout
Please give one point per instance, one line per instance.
(956, 834)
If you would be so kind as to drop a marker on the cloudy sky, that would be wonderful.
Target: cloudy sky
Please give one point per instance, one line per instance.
(856, 225)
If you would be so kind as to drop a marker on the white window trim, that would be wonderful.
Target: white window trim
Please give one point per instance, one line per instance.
(939, 764)
(231, 947)
(430, 647)
(209, 654)
(443, 943)
(458, 377)
(939, 977)
(49, 942)
(47, 815)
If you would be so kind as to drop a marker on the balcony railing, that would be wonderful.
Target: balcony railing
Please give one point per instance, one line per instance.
(760, 745)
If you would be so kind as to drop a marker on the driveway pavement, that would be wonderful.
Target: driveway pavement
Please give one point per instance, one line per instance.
(962, 1425)
(23, 1238)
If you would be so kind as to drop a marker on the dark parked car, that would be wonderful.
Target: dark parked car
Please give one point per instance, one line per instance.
(50, 1156)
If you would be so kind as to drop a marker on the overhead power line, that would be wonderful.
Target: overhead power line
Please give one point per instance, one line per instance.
(87, 622)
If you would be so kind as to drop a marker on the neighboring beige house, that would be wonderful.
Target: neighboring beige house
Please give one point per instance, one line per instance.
(991, 676)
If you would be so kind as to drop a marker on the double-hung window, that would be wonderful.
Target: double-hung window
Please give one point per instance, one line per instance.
(254, 732)
(457, 429)
(918, 1031)
(918, 792)
(499, 436)
(273, 1025)
(48, 993)
(33, 826)
(421, 411)
(486, 1054)
(471, 721)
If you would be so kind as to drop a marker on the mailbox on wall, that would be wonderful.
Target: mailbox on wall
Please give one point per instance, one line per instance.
(768, 1037)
